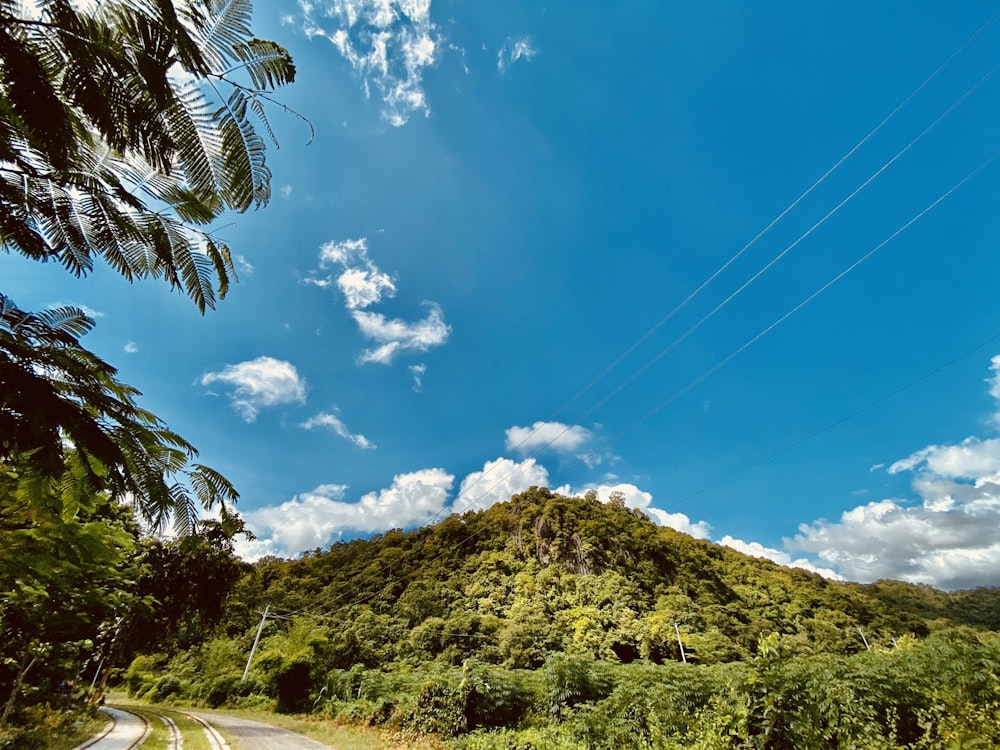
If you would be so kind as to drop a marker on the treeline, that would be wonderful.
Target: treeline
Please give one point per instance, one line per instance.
(941, 692)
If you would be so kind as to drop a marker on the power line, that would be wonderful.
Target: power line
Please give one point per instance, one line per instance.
(750, 342)
(342, 591)
(791, 206)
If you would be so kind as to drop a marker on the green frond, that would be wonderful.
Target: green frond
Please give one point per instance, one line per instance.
(247, 180)
(199, 143)
(69, 320)
(211, 487)
(258, 109)
(267, 63)
(58, 221)
(223, 26)
(185, 512)
(180, 260)
(222, 261)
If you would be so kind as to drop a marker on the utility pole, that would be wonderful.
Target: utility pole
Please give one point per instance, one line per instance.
(680, 643)
(256, 640)
(863, 638)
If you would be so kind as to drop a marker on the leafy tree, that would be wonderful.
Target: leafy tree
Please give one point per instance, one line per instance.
(126, 128)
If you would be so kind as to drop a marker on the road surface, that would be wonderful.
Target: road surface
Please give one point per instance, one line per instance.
(128, 731)
(252, 735)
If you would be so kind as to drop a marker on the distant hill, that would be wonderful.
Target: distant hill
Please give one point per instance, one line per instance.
(544, 573)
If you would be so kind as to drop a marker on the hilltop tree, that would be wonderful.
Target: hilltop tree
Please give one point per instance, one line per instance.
(126, 128)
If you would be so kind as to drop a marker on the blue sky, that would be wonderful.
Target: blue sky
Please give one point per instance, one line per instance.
(502, 199)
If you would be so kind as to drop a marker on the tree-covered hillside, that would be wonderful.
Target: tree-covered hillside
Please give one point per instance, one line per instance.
(546, 574)
(549, 622)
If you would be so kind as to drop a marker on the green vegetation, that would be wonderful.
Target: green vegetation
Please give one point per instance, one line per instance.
(549, 622)
(126, 129)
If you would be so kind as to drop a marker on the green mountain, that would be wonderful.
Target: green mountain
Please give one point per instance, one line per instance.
(545, 574)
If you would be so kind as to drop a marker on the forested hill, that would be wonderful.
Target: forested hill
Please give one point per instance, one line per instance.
(543, 573)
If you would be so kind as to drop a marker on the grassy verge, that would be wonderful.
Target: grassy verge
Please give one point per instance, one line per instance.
(83, 731)
(191, 731)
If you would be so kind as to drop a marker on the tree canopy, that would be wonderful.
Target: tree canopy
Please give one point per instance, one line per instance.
(126, 128)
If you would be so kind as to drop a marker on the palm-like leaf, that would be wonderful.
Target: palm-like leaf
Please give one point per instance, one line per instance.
(105, 149)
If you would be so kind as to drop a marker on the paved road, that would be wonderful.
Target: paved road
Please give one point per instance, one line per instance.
(252, 735)
(129, 729)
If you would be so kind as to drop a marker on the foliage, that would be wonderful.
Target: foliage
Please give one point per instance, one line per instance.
(125, 128)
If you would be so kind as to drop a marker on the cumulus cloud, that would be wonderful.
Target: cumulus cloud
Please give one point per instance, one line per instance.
(514, 50)
(321, 516)
(642, 500)
(554, 436)
(395, 336)
(360, 281)
(329, 421)
(364, 284)
(286, 191)
(259, 383)
(130, 347)
(498, 481)
(756, 549)
(946, 536)
(388, 43)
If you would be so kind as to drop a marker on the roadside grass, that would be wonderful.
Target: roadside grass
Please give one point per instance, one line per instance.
(85, 730)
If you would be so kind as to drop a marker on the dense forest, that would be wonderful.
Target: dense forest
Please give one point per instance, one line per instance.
(549, 621)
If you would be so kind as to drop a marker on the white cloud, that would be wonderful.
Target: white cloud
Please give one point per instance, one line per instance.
(388, 43)
(947, 536)
(756, 549)
(328, 421)
(286, 191)
(514, 50)
(417, 371)
(642, 500)
(315, 519)
(555, 436)
(395, 336)
(498, 481)
(259, 383)
(361, 281)
(130, 347)
(364, 284)
(245, 267)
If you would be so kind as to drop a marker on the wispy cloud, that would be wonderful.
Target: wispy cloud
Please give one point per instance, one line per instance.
(130, 347)
(330, 421)
(395, 336)
(244, 266)
(417, 371)
(285, 191)
(514, 49)
(258, 384)
(388, 43)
